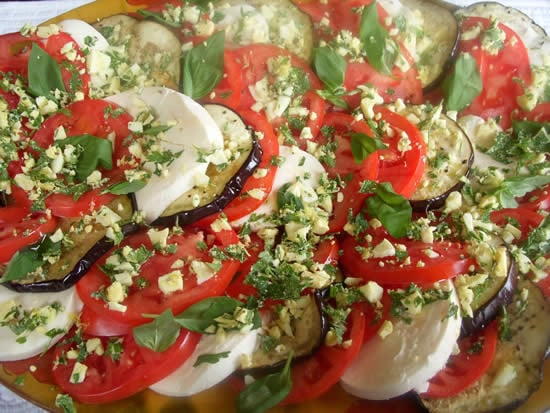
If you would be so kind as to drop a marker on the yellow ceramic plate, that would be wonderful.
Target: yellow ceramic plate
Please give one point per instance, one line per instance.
(221, 398)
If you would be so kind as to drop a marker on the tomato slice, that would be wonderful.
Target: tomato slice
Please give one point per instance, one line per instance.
(403, 170)
(147, 297)
(97, 324)
(14, 236)
(228, 91)
(537, 200)
(524, 219)
(317, 374)
(465, 368)
(109, 378)
(447, 260)
(502, 74)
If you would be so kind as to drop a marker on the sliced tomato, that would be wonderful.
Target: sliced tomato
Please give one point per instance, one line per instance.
(14, 236)
(465, 368)
(503, 74)
(238, 288)
(228, 91)
(537, 200)
(541, 113)
(148, 298)
(97, 324)
(525, 220)
(132, 369)
(447, 260)
(62, 205)
(317, 374)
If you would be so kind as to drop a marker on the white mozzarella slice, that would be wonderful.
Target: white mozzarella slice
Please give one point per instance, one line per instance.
(406, 358)
(298, 164)
(84, 34)
(243, 24)
(194, 133)
(189, 379)
(30, 342)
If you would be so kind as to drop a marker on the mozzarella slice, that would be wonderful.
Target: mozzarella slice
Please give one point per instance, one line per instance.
(84, 34)
(19, 339)
(243, 24)
(298, 164)
(189, 379)
(194, 133)
(408, 357)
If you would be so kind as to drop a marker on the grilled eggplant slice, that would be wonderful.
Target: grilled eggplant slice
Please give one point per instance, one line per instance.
(264, 21)
(430, 32)
(148, 43)
(225, 184)
(450, 155)
(89, 242)
(309, 328)
(516, 370)
(496, 292)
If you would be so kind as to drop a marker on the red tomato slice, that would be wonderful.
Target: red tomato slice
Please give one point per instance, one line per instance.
(109, 379)
(502, 74)
(452, 259)
(527, 219)
(464, 369)
(541, 113)
(14, 236)
(317, 374)
(150, 299)
(238, 289)
(97, 324)
(537, 200)
(228, 91)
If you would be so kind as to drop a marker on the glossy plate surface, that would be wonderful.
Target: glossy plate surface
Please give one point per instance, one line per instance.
(221, 398)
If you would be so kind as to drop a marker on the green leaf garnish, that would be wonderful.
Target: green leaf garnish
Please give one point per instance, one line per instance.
(287, 200)
(363, 145)
(125, 188)
(95, 152)
(159, 334)
(267, 392)
(330, 67)
(381, 50)
(518, 186)
(393, 210)
(464, 84)
(44, 74)
(203, 314)
(203, 66)
(211, 358)
(537, 243)
(65, 402)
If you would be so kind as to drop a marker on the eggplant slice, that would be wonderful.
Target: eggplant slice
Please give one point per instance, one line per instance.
(496, 292)
(75, 262)
(516, 370)
(225, 184)
(450, 155)
(309, 330)
(430, 32)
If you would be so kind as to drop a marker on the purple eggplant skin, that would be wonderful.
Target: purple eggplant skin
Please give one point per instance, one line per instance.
(78, 271)
(492, 308)
(317, 336)
(231, 190)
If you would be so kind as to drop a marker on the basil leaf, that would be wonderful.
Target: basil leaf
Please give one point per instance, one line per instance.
(44, 73)
(464, 84)
(203, 66)
(65, 402)
(211, 358)
(266, 392)
(363, 145)
(96, 152)
(158, 17)
(334, 97)
(202, 315)
(392, 209)
(30, 258)
(125, 188)
(159, 334)
(380, 48)
(330, 67)
(518, 186)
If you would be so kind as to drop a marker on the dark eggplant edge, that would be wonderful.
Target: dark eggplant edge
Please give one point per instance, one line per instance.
(492, 308)
(262, 370)
(75, 274)
(231, 190)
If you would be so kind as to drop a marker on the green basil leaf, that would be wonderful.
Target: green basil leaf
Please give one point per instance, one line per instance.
(125, 188)
(363, 145)
(28, 259)
(518, 186)
(159, 334)
(202, 315)
(203, 66)
(211, 358)
(267, 392)
(158, 17)
(334, 97)
(44, 73)
(381, 50)
(464, 83)
(330, 67)
(96, 152)
(393, 210)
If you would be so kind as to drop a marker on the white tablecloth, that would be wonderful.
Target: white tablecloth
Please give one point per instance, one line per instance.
(14, 14)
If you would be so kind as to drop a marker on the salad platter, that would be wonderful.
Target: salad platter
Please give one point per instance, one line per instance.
(333, 206)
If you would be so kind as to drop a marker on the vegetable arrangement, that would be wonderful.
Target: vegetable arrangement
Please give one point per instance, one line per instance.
(287, 195)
